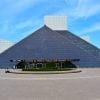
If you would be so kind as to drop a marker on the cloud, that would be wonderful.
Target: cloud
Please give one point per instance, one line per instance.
(92, 28)
(16, 14)
(24, 24)
(14, 7)
(86, 38)
(71, 8)
(77, 9)
(86, 8)
(19, 30)
(5, 27)
(22, 5)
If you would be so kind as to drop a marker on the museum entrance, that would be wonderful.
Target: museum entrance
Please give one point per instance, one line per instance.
(45, 64)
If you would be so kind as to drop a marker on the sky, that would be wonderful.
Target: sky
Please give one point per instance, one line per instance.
(19, 18)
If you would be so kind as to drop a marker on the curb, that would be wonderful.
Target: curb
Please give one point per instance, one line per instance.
(47, 72)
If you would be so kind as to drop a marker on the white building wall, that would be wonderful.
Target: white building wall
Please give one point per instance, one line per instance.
(4, 44)
(56, 22)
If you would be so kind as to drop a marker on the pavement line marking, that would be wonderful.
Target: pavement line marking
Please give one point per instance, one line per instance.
(68, 78)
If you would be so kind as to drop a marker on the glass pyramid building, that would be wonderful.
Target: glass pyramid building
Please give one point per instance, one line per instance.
(46, 43)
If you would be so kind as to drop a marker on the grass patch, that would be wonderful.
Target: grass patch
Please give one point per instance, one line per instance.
(51, 66)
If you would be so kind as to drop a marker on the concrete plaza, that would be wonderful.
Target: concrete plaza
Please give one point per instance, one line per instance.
(72, 86)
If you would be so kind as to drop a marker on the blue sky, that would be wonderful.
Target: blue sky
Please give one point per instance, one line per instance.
(19, 18)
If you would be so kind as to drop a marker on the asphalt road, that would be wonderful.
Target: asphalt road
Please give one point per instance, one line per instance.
(72, 86)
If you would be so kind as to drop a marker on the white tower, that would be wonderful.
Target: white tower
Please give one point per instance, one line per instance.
(56, 22)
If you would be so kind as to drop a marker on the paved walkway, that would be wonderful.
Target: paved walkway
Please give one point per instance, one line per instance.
(72, 86)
